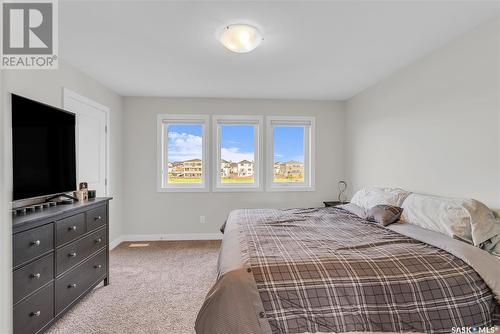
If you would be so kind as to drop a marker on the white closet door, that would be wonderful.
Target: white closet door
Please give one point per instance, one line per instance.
(91, 141)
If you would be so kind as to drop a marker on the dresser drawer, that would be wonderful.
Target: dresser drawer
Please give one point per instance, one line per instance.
(70, 228)
(97, 217)
(33, 276)
(71, 285)
(34, 312)
(72, 254)
(32, 243)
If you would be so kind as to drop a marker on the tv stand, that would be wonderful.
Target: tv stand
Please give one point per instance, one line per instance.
(59, 255)
(61, 195)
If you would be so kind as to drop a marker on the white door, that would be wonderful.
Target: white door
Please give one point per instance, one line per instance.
(91, 140)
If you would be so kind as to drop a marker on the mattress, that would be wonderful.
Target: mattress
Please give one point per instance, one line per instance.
(327, 270)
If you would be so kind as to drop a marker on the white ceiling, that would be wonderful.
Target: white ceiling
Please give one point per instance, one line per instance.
(311, 50)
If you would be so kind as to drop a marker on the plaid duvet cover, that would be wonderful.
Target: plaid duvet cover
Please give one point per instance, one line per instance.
(326, 270)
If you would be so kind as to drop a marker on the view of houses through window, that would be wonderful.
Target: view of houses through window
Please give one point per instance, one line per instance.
(288, 154)
(184, 152)
(237, 152)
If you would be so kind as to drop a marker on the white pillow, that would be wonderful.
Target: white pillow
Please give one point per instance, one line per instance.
(485, 227)
(465, 219)
(369, 197)
(354, 209)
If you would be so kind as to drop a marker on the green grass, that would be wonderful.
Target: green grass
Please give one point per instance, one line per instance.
(233, 180)
(279, 178)
(181, 180)
(242, 179)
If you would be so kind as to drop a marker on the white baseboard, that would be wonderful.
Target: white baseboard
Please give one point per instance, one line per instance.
(115, 242)
(158, 237)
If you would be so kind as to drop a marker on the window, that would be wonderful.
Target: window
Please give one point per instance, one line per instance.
(290, 146)
(237, 149)
(182, 153)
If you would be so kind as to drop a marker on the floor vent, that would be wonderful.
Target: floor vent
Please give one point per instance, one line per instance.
(138, 245)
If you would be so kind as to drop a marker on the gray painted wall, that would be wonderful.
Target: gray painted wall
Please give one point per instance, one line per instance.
(148, 212)
(434, 126)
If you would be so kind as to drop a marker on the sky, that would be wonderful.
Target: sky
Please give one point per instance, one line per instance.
(237, 143)
(289, 144)
(185, 142)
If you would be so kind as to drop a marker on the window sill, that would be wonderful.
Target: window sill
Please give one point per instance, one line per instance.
(237, 189)
(182, 190)
(291, 188)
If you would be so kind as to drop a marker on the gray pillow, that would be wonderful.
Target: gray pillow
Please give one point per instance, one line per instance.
(384, 214)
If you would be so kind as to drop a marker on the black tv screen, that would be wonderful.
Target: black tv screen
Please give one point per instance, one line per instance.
(44, 153)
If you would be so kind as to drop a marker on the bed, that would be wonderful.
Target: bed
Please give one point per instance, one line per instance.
(328, 270)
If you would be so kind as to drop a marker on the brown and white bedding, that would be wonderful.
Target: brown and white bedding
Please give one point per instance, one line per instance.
(327, 270)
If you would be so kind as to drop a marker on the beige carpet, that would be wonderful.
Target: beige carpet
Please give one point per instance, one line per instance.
(156, 289)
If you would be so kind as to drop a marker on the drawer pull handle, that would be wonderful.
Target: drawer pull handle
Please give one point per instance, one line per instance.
(35, 314)
(73, 285)
(37, 275)
(72, 228)
(36, 243)
(98, 218)
(72, 254)
(98, 240)
(98, 266)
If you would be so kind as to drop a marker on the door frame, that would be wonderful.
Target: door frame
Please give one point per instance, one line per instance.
(67, 95)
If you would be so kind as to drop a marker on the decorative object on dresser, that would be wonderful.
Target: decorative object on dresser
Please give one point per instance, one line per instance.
(82, 193)
(92, 194)
(334, 203)
(59, 255)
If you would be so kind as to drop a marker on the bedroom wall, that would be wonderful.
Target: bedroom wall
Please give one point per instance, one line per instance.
(5, 228)
(434, 126)
(148, 212)
(47, 86)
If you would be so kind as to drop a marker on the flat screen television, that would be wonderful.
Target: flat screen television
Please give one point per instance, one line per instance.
(44, 152)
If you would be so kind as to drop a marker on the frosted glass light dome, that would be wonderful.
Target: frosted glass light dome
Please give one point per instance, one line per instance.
(240, 38)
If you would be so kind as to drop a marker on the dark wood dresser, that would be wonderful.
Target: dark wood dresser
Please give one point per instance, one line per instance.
(59, 255)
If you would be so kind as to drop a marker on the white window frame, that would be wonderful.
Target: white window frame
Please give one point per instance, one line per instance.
(257, 121)
(309, 152)
(162, 154)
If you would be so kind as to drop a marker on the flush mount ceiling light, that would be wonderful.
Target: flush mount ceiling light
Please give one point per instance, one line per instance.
(240, 38)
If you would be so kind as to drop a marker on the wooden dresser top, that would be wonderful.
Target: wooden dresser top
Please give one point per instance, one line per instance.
(33, 219)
